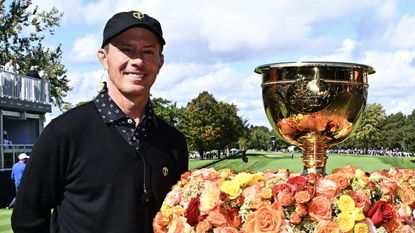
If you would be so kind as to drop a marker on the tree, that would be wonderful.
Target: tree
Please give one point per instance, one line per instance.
(259, 137)
(409, 133)
(392, 131)
(200, 126)
(211, 125)
(168, 111)
(230, 124)
(23, 29)
(369, 131)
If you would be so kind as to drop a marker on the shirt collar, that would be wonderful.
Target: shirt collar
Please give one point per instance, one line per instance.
(111, 113)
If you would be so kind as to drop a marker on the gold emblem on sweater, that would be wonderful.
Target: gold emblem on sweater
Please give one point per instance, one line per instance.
(165, 171)
(138, 15)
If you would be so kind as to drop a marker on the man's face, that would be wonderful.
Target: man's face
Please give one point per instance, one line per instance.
(133, 60)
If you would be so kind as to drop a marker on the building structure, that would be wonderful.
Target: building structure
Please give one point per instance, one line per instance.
(24, 101)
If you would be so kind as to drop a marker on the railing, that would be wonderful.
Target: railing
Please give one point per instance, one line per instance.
(23, 87)
(9, 154)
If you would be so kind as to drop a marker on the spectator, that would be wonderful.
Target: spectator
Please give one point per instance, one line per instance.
(34, 72)
(12, 66)
(292, 150)
(35, 94)
(17, 173)
(6, 140)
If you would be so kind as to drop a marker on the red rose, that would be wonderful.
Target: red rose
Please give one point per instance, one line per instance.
(192, 212)
(231, 215)
(297, 181)
(380, 213)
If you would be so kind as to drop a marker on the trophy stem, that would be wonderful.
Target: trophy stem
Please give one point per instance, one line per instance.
(314, 156)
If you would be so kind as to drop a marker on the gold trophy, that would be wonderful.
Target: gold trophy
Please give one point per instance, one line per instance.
(314, 105)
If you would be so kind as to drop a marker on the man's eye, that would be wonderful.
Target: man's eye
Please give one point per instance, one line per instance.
(125, 49)
(148, 51)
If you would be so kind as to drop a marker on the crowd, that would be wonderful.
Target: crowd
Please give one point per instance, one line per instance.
(372, 151)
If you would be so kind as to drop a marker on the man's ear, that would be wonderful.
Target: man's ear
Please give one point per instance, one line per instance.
(102, 56)
(161, 61)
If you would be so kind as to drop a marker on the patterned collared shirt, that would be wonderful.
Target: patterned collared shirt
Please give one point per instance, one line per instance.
(112, 115)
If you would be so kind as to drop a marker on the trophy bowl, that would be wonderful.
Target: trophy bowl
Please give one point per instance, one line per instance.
(314, 105)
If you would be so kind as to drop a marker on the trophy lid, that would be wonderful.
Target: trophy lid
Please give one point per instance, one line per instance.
(260, 69)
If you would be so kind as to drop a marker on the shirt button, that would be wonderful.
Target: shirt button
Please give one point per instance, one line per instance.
(130, 121)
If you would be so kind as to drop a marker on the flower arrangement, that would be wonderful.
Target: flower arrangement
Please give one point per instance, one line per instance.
(348, 200)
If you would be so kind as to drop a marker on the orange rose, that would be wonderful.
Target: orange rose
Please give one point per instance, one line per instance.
(302, 197)
(348, 171)
(320, 209)
(326, 226)
(276, 206)
(160, 223)
(225, 230)
(301, 209)
(408, 196)
(185, 176)
(295, 218)
(265, 219)
(342, 180)
(285, 199)
(203, 226)
(389, 186)
(177, 224)
(216, 218)
(326, 188)
(362, 201)
(282, 188)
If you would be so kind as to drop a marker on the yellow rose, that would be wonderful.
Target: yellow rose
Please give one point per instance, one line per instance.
(345, 221)
(256, 177)
(231, 188)
(165, 210)
(243, 178)
(346, 203)
(266, 193)
(225, 173)
(358, 214)
(361, 177)
(361, 228)
(209, 198)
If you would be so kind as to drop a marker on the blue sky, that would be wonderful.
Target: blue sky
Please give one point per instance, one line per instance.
(215, 45)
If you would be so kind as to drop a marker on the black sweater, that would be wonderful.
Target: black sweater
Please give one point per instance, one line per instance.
(93, 179)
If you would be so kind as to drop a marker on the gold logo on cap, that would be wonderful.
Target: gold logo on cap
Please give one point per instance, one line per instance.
(165, 171)
(138, 15)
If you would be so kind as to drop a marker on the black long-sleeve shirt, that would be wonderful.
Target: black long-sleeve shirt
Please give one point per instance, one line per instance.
(85, 171)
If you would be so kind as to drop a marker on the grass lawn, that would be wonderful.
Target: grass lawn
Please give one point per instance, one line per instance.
(5, 221)
(260, 161)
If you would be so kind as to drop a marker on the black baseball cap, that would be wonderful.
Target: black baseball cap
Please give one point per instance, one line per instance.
(122, 21)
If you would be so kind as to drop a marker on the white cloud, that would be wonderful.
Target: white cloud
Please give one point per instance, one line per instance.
(394, 81)
(403, 34)
(84, 49)
(85, 85)
(210, 44)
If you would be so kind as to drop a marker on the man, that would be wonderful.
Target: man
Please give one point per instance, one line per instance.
(107, 165)
(17, 172)
(292, 150)
(34, 72)
(11, 66)
(6, 140)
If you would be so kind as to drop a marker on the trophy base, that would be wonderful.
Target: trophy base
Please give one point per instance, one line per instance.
(314, 157)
